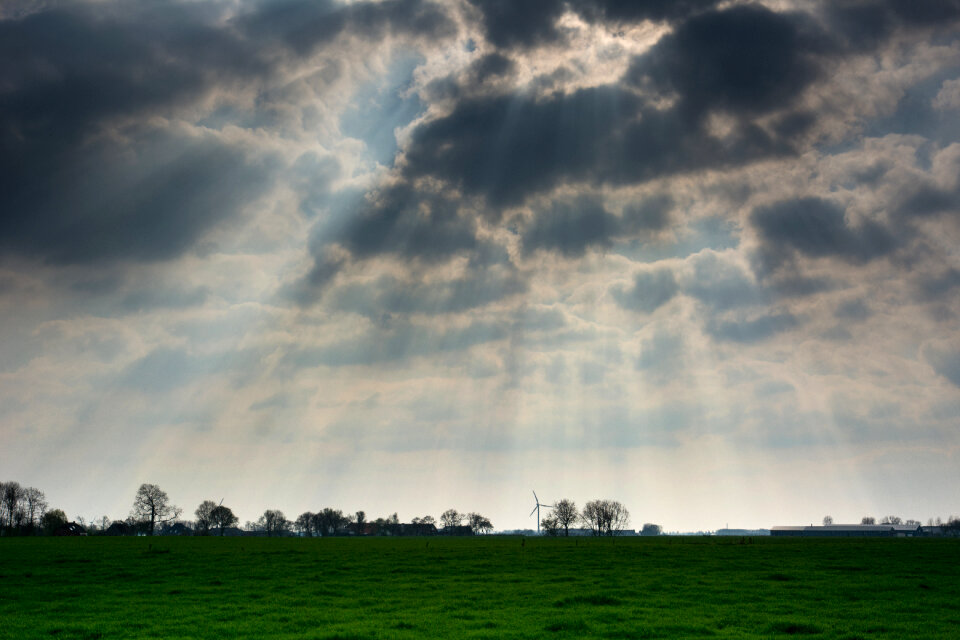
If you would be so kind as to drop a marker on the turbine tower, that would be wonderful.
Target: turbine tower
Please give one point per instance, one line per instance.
(537, 509)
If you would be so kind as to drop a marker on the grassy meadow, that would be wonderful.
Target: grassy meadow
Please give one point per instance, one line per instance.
(490, 587)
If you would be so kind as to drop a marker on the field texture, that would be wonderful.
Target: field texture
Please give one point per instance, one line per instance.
(478, 588)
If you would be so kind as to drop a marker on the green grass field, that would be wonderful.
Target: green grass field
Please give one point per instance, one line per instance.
(478, 588)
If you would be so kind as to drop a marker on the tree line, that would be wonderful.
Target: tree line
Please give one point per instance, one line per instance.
(601, 517)
(25, 511)
(952, 522)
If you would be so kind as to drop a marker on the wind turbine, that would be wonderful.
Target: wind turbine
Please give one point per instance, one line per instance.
(537, 509)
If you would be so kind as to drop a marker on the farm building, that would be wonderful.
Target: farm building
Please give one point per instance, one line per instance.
(70, 529)
(120, 529)
(742, 532)
(849, 531)
(462, 530)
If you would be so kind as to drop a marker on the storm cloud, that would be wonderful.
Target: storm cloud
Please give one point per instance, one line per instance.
(102, 157)
(497, 243)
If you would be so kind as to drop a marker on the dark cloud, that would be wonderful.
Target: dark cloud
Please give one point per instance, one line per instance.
(945, 362)
(508, 23)
(397, 340)
(392, 296)
(863, 24)
(796, 285)
(636, 10)
(492, 65)
(505, 148)
(853, 310)
(532, 23)
(746, 59)
(86, 175)
(928, 200)
(304, 25)
(408, 223)
(753, 330)
(651, 290)
(722, 285)
(938, 286)
(570, 227)
(164, 369)
(652, 214)
(815, 227)
(662, 356)
(113, 200)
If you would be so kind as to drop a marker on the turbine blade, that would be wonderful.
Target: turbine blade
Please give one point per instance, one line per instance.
(534, 509)
(535, 498)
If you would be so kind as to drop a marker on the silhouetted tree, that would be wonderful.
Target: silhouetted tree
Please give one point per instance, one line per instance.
(329, 522)
(451, 518)
(891, 520)
(223, 518)
(53, 520)
(35, 505)
(11, 494)
(566, 514)
(151, 505)
(204, 520)
(393, 524)
(424, 520)
(952, 526)
(304, 524)
(827, 521)
(868, 520)
(650, 529)
(273, 522)
(605, 517)
(550, 525)
(479, 523)
(361, 520)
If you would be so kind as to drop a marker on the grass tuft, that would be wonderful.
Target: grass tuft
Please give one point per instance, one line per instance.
(567, 625)
(591, 600)
(795, 628)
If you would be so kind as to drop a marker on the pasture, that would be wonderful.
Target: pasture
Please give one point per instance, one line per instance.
(492, 587)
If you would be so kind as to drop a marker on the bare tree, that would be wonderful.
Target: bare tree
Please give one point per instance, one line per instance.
(151, 505)
(361, 520)
(451, 518)
(868, 520)
(891, 520)
(273, 522)
(304, 524)
(566, 514)
(479, 523)
(35, 505)
(650, 529)
(222, 517)
(605, 517)
(827, 521)
(53, 520)
(204, 520)
(424, 520)
(550, 525)
(11, 494)
(328, 522)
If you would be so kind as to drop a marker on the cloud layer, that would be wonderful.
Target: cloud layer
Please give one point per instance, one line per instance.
(696, 241)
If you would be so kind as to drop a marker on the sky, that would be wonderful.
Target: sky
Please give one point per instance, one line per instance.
(402, 256)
